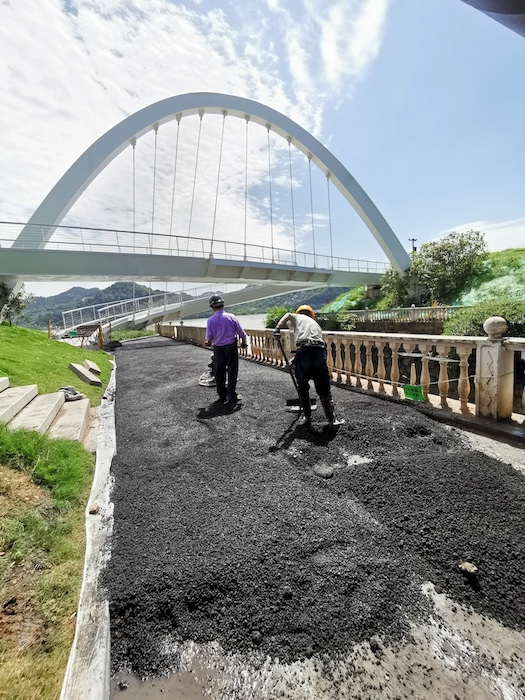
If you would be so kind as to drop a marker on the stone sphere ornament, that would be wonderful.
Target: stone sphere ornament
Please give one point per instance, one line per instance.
(495, 326)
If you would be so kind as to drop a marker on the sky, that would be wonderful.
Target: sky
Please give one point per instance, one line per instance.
(423, 103)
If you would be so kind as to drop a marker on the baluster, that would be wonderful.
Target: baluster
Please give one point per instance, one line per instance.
(381, 366)
(369, 367)
(463, 382)
(394, 370)
(443, 382)
(425, 371)
(329, 355)
(523, 393)
(347, 368)
(358, 366)
(338, 359)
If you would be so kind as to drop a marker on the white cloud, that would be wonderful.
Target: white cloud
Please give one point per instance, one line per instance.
(498, 235)
(69, 76)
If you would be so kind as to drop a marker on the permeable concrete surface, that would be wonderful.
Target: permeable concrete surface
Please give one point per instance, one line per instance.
(255, 559)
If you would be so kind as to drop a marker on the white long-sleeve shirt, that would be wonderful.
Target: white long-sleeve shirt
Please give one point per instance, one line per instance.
(306, 330)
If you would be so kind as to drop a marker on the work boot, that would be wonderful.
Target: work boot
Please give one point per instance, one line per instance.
(328, 407)
(305, 408)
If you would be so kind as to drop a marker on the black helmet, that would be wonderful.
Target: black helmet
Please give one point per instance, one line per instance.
(216, 300)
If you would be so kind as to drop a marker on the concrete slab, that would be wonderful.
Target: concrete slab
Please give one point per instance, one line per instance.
(84, 374)
(71, 421)
(4, 383)
(13, 400)
(39, 413)
(92, 366)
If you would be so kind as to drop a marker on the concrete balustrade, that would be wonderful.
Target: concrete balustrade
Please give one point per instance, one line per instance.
(473, 375)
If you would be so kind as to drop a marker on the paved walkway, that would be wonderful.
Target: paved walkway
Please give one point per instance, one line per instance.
(239, 567)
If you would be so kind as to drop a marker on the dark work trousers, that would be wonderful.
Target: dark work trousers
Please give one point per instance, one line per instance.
(310, 363)
(226, 360)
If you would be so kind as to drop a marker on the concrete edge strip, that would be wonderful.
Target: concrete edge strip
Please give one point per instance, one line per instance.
(88, 669)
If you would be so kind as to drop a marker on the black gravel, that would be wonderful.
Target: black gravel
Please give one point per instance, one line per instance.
(223, 531)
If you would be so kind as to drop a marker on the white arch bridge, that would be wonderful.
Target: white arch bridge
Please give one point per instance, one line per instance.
(277, 262)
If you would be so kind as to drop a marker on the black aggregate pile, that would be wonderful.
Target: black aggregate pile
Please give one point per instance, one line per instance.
(224, 532)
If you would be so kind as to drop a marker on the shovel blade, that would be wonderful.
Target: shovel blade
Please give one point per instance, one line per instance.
(294, 405)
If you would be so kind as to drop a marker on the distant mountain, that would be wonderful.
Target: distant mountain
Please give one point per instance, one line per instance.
(44, 309)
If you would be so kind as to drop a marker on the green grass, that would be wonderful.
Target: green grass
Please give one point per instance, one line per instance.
(29, 357)
(129, 333)
(43, 561)
(62, 466)
(43, 542)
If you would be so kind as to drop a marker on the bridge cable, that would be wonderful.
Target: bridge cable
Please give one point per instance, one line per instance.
(133, 142)
(247, 117)
(178, 118)
(224, 115)
(156, 130)
(201, 114)
(328, 175)
(268, 127)
(289, 139)
(311, 203)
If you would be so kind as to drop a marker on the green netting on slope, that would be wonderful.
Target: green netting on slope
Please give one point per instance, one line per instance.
(509, 286)
(338, 304)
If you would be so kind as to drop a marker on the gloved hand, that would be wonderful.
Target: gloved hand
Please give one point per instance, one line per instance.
(277, 333)
(244, 344)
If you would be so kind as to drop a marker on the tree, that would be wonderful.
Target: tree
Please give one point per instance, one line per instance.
(274, 315)
(445, 266)
(438, 273)
(13, 305)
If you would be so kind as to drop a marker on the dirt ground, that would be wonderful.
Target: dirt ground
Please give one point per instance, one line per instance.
(252, 558)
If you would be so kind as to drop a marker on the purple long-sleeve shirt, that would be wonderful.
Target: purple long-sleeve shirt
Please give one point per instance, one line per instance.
(223, 328)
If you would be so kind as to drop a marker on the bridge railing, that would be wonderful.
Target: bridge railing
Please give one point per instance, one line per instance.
(74, 238)
(411, 313)
(127, 307)
(475, 376)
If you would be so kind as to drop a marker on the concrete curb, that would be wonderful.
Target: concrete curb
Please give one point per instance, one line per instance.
(88, 669)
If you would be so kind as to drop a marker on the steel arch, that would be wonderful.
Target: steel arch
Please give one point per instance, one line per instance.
(71, 185)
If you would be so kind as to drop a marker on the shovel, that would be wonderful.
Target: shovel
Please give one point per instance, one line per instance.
(294, 405)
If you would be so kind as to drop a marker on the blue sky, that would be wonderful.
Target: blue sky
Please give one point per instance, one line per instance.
(422, 101)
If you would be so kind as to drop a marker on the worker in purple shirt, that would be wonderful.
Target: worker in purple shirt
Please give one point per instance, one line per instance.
(222, 330)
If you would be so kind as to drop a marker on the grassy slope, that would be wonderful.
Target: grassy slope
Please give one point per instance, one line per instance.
(503, 276)
(29, 357)
(41, 543)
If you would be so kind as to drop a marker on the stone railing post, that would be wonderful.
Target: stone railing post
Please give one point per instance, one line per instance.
(494, 373)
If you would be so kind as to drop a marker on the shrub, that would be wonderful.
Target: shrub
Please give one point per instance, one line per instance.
(274, 314)
(470, 321)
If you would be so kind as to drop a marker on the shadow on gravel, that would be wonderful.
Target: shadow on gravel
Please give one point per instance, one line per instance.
(317, 436)
(217, 408)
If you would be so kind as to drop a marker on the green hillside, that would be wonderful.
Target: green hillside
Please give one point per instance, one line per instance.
(503, 276)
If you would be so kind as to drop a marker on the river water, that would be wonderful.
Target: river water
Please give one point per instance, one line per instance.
(251, 321)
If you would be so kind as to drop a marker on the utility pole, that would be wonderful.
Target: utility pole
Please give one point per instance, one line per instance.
(413, 241)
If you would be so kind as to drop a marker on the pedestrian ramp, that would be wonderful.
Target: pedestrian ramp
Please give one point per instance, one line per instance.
(23, 407)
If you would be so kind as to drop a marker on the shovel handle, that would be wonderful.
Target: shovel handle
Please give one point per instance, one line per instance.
(294, 380)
